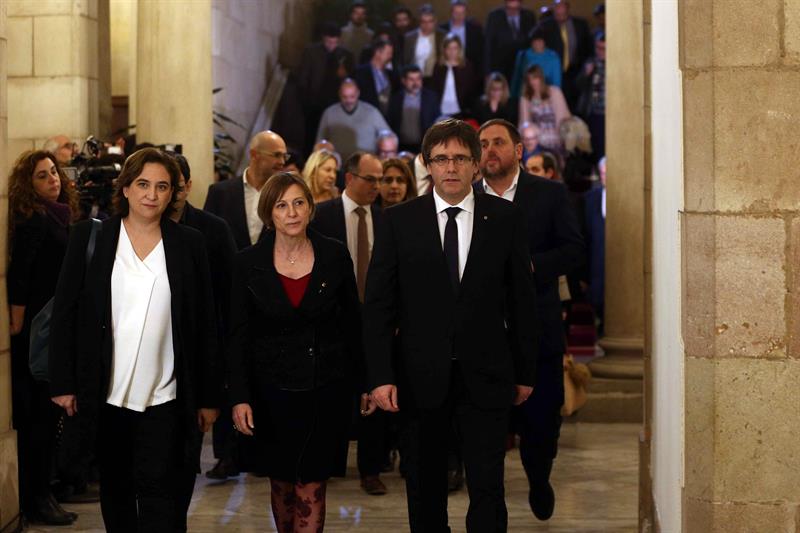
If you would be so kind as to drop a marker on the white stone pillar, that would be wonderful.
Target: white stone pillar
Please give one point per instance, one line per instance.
(173, 83)
(9, 491)
(52, 72)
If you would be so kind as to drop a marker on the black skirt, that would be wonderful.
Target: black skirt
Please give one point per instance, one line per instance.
(300, 436)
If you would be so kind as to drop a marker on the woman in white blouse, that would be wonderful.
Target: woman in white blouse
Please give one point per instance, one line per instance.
(453, 78)
(133, 345)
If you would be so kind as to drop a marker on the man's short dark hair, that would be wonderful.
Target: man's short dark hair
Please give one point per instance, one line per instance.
(355, 5)
(402, 9)
(352, 162)
(410, 69)
(447, 130)
(512, 130)
(379, 45)
(183, 164)
(426, 9)
(329, 29)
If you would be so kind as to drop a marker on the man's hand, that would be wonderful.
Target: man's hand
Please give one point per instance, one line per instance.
(243, 418)
(386, 398)
(368, 405)
(523, 393)
(206, 418)
(68, 402)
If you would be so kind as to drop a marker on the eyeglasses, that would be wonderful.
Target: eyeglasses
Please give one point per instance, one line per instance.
(372, 180)
(277, 155)
(458, 160)
(388, 180)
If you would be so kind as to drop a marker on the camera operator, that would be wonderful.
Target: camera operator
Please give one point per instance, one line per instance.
(62, 148)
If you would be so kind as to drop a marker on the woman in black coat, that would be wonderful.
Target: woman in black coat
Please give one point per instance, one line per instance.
(41, 206)
(295, 355)
(455, 71)
(132, 349)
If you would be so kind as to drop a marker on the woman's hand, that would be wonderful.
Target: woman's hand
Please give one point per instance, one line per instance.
(68, 402)
(17, 316)
(243, 419)
(206, 418)
(368, 405)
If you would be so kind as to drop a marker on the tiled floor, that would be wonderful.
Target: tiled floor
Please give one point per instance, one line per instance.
(595, 479)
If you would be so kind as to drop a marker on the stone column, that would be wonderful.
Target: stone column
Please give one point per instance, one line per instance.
(9, 490)
(741, 257)
(53, 71)
(173, 83)
(617, 389)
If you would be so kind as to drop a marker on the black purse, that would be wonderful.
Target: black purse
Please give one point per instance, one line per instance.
(40, 326)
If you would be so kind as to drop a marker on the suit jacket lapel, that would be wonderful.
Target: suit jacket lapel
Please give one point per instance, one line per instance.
(102, 265)
(241, 210)
(341, 224)
(479, 220)
(173, 252)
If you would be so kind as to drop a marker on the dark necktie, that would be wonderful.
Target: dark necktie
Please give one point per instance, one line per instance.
(451, 246)
(362, 252)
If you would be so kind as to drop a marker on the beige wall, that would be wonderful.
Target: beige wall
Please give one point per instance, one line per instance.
(741, 249)
(9, 502)
(53, 72)
(248, 40)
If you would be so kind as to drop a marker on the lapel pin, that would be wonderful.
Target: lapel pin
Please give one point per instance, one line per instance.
(324, 284)
(485, 217)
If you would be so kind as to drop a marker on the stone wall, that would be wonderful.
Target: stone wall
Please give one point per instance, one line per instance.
(741, 251)
(53, 72)
(248, 40)
(9, 503)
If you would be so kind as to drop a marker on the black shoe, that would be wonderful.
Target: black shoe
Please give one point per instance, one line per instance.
(224, 469)
(542, 500)
(57, 505)
(455, 480)
(48, 512)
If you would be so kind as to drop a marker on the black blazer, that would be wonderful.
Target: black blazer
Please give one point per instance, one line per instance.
(329, 220)
(226, 200)
(221, 250)
(489, 326)
(428, 113)
(365, 79)
(474, 48)
(584, 46)
(317, 76)
(509, 111)
(556, 249)
(501, 48)
(81, 332)
(465, 81)
(410, 45)
(273, 343)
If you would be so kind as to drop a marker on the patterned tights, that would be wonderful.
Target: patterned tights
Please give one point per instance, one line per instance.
(298, 507)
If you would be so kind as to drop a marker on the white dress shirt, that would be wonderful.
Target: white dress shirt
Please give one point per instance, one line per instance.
(464, 221)
(142, 360)
(424, 51)
(251, 195)
(509, 193)
(450, 105)
(351, 226)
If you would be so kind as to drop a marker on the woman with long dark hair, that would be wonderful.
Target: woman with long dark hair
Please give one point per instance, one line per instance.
(41, 205)
(132, 349)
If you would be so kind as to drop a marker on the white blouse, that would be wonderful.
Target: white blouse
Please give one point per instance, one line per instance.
(142, 361)
(450, 105)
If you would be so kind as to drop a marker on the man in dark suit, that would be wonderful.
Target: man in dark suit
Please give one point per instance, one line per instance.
(375, 81)
(354, 219)
(451, 273)
(507, 31)
(236, 200)
(323, 67)
(470, 34)
(555, 249)
(421, 46)
(413, 110)
(570, 38)
(221, 249)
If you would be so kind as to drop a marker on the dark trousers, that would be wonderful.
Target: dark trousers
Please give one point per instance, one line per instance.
(372, 436)
(140, 465)
(538, 420)
(480, 435)
(36, 428)
(223, 436)
(185, 485)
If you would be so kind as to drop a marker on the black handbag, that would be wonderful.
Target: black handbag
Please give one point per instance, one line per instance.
(40, 326)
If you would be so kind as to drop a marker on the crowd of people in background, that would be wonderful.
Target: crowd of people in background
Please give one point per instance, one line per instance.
(246, 315)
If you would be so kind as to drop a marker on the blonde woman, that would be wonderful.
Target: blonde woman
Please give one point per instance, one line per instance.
(320, 175)
(453, 78)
